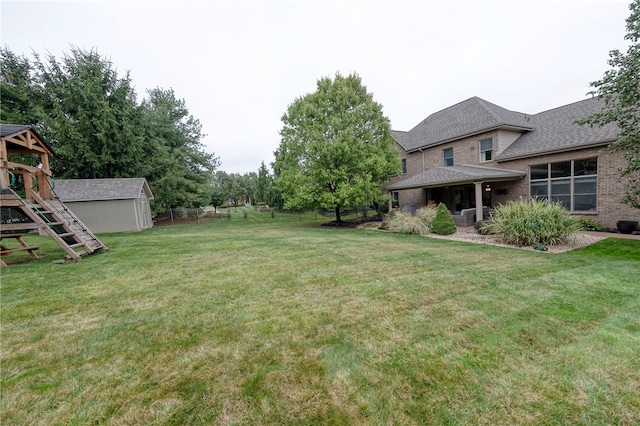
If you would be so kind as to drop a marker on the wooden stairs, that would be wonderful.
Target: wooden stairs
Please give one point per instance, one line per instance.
(51, 216)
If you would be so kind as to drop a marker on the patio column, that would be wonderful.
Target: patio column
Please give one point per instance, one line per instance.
(478, 188)
(390, 201)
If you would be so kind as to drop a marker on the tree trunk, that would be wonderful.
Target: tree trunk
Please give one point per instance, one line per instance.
(338, 218)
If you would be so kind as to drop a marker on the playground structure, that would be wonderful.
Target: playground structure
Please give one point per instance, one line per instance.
(28, 201)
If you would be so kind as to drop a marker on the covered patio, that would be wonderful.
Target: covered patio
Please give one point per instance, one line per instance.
(459, 188)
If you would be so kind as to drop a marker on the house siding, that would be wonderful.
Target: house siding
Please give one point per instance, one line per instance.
(610, 188)
(505, 139)
(107, 215)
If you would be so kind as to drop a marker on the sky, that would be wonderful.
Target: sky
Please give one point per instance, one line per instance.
(239, 64)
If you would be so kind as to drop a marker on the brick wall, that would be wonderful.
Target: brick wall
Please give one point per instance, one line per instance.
(466, 152)
(610, 188)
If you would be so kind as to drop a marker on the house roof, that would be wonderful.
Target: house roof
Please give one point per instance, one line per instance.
(9, 130)
(550, 131)
(556, 130)
(464, 119)
(101, 189)
(400, 137)
(456, 175)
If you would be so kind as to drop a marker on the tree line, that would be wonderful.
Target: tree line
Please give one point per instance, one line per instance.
(234, 189)
(336, 150)
(91, 118)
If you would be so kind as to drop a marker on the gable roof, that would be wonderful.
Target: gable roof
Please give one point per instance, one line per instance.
(458, 175)
(556, 130)
(17, 138)
(400, 137)
(467, 118)
(101, 189)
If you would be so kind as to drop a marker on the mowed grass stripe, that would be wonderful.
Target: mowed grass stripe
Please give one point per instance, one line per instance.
(292, 323)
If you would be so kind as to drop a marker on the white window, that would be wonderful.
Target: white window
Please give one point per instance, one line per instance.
(447, 157)
(486, 150)
(404, 166)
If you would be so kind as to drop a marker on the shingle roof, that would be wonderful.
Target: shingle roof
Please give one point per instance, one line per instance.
(101, 189)
(466, 118)
(458, 175)
(11, 129)
(556, 130)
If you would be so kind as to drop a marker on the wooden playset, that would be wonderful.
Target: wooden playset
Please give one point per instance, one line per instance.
(28, 202)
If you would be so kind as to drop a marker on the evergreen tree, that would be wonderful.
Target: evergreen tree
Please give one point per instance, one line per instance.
(443, 223)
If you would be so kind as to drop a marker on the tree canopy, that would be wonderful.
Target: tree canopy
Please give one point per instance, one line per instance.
(91, 118)
(620, 89)
(336, 150)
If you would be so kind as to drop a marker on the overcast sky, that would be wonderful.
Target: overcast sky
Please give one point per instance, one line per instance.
(239, 64)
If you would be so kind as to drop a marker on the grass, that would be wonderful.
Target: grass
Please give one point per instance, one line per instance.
(259, 322)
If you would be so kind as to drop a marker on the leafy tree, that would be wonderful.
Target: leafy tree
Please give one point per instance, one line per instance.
(248, 187)
(218, 195)
(336, 150)
(620, 89)
(274, 197)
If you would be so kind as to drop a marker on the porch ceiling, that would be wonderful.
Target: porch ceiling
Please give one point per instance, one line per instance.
(456, 175)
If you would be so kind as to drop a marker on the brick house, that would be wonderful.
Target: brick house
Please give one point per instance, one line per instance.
(476, 150)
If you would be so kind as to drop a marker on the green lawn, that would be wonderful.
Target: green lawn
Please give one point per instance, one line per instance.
(262, 322)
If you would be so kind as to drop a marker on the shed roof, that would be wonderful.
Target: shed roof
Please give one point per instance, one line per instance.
(456, 175)
(102, 189)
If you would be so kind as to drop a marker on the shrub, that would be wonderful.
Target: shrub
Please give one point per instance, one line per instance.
(405, 223)
(482, 228)
(427, 215)
(532, 223)
(443, 223)
(591, 225)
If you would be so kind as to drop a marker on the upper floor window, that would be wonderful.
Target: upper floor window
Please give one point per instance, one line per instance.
(404, 166)
(486, 150)
(447, 157)
(572, 183)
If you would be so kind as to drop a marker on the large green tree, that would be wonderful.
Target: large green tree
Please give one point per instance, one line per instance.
(336, 150)
(620, 89)
(182, 171)
(89, 114)
(20, 97)
(91, 117)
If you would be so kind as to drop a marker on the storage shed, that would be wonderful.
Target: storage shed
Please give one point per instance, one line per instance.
(108, 205)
